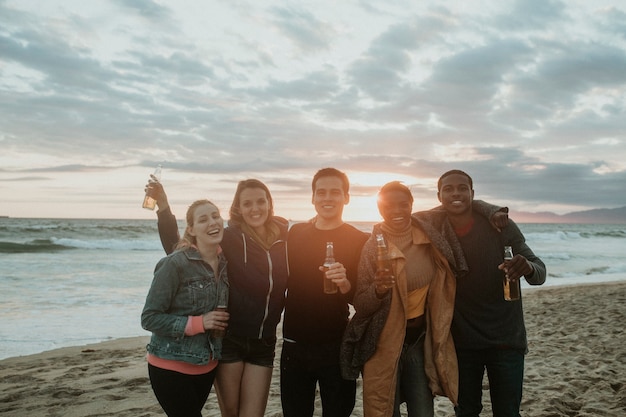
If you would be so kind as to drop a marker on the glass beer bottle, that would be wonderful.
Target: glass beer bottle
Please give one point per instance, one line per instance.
(222, 305)
(383, 261)
(329, 286)
(149, 202)
(512, 288)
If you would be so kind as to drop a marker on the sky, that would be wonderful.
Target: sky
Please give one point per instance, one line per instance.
(528, 97)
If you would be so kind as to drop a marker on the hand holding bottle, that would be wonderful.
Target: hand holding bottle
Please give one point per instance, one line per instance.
(329, 285)
(510, 285)
(514, 267)
(150, 201)
(216, 321)
(384, 278)
(336, 275)
(155, 190)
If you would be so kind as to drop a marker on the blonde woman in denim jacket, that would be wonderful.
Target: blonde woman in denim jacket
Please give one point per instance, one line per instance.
(255, 245)
(179, 311)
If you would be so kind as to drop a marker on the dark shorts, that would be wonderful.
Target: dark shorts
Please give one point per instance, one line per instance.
(244, 349)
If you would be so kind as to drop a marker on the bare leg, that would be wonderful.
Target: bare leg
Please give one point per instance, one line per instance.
(227, 387)
(242, 389)
(255, 388)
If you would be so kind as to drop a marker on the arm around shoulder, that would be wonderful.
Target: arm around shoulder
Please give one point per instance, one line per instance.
(498, 216)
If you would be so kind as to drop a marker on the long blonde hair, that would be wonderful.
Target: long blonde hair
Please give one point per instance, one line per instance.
(188, 240)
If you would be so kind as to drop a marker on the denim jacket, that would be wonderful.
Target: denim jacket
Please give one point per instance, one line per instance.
(183, 285)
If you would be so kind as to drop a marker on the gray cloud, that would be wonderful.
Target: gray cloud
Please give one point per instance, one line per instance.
(614, 21)
(146, 8)
(25, 179)
(531, 15)
(529, 100)
(381, 69)
(302, 27)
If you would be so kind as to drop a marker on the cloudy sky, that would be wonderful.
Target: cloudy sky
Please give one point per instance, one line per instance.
(528, 96)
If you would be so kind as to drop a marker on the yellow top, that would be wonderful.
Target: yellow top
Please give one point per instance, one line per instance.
(416, 302)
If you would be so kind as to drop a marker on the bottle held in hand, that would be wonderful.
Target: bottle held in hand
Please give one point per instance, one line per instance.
(149, 202)
(329, 286)
(512, 290)
(383, 260)
(219, 333)
(222, 305)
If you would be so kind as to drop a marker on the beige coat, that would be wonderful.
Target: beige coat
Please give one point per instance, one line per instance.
(380, 370)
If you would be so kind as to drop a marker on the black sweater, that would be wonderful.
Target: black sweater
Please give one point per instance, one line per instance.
(312, 317)
(482, 318)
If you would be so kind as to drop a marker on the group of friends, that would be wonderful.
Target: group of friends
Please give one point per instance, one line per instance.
(431, 326)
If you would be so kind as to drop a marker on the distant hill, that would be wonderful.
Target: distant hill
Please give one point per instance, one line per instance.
(598, 216)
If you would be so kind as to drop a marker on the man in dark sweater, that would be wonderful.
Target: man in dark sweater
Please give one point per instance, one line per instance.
(314, 322)
(488, 331)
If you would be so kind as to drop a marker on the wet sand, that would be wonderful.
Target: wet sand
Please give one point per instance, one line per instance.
(576, 367)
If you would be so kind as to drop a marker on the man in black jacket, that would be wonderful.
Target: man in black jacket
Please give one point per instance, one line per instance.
(488, 331)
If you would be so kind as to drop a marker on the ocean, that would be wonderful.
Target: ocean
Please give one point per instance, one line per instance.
(66, 282)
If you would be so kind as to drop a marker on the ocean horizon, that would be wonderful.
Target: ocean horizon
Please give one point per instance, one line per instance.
(67, 282)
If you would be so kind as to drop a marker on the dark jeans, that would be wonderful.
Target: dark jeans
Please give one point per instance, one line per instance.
(301, 369)
(505, 370)
(180, 395)
(412, 387)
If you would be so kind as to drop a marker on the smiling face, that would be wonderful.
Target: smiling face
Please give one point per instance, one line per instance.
(208, 226)
(329, 198)
(456, 195)
(395, 206)
(254, 207)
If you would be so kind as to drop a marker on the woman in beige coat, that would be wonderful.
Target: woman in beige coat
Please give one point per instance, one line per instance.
(399, 338)
(413, 357)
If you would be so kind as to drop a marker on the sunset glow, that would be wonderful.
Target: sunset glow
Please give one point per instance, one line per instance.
(528, 98)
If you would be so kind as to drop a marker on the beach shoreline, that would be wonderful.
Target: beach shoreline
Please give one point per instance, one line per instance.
(576, 366)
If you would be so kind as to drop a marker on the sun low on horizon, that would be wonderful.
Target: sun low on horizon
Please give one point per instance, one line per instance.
(364, 187)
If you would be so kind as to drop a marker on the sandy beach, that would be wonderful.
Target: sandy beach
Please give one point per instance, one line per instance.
(576, 367)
